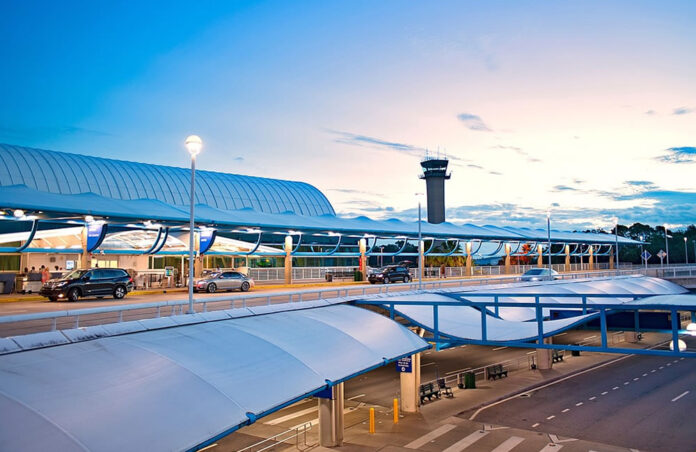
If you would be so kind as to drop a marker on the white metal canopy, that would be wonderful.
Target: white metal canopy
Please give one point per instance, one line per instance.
(174, 388)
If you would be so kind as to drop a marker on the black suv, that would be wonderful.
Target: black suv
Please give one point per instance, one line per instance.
(390, 273)
(98, 282)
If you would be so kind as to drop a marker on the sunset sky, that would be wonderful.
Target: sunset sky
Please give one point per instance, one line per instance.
(587, 108)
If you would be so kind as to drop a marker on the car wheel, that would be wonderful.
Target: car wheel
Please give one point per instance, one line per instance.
(245, 286)
(119, 292)
(52, 298)
(73, 295)
(407, 279)
(211, 288)
(386, 280)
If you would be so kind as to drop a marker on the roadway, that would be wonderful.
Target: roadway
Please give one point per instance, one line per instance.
(640, 402)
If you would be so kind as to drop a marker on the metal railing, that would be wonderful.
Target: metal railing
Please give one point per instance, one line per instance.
(59, 320)
(294, 433)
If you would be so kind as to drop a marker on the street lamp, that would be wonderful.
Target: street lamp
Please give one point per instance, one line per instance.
(194, 145)
(419, 197)
(616, 242)
(645, 261)
(666, 243)
(686, 252)
(548, 231)
(381, 256)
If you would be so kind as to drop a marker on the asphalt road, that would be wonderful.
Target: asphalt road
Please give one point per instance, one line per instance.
(638, 402)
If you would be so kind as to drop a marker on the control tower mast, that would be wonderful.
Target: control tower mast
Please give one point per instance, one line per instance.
(435, 175)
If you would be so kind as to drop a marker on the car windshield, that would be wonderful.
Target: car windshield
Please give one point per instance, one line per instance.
(383, 269)
(212, 275)
(534, 272)
(75, 274)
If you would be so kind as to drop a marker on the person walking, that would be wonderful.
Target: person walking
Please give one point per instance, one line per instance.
(443, 271)
(45, 275)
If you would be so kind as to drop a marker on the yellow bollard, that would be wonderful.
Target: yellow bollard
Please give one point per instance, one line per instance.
(372, 420)
(396, 411)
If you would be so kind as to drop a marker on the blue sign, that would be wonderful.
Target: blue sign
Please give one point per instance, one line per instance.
(96, 232)
(646, 255)
(206, 238)
(404, 365)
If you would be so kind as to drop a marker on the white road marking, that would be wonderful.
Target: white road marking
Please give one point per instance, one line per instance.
(662, 367)
(675, 361)
(645, 375)
(554, 439)
(590, 337)
(430, 436)
(208, 447)
(457, 371)
(290, 416)
(636, 379)
(476, 413)
(551, 447)
(669, 364)
(680, 396)
(566, 410)
(535, 425)
(466, 441)
(356, 397)
(592, 398)
(605, 393)
(531, 353)
(627, 383)
(654, 370)
(550, 417)
(499, 348)
(614, 388)
(578, 404)
(489, 427)
(315, 421)
(508, 444)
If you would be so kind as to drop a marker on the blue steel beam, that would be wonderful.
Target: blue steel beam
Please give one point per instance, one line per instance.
(19, 249)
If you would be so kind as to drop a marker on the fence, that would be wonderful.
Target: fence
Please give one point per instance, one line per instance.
(296, 433)
(52, 321)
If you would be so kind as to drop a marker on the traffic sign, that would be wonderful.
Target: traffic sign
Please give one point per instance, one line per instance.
(646, 255)
(404, 365)
(661, 254)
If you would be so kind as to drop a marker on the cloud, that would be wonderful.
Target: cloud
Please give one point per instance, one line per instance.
(376, 143)
(684, 154)
(473, 122)
(471, 165)
(518, 150)
(238, 159)
(564, 188)
(650, 112)
(682, 111)
(495, 173)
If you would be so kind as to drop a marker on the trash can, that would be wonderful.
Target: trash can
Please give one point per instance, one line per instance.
(328, 277)
(575, 352)
(470, 380)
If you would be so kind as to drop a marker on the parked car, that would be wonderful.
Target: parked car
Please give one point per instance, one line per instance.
(97, 282)
(228, 280)
(390, 273)
(539, 274)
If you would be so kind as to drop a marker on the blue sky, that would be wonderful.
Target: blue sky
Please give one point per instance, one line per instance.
(585, 107)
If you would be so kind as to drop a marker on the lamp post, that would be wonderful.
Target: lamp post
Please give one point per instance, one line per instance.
(420, 243)
(645, 261)
(194, 145)
(548, 232)
(381, 256)
(666, 243)
(616, 242)
(686, 252)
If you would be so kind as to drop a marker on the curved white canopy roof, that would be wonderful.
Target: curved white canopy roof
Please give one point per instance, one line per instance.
(174, 388)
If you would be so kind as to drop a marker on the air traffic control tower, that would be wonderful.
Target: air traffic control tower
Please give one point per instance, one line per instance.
(435, 174)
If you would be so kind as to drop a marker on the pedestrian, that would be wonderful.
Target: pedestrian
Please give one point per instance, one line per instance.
(45, 275)
(443, 271)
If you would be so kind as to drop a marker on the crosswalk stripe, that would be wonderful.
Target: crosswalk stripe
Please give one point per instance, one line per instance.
(508, 444)
(291, 416)
(425, 439)
(551, 447)
(466, 441)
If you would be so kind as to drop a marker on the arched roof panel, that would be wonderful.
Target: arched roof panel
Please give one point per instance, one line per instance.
(49, 171)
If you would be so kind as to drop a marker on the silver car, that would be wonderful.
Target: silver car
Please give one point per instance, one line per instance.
(228, 280)
(539, 274)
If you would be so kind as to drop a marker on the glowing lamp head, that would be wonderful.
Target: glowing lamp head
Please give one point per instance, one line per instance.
(194, 144)
(19, 213)
(682, 345)
(89, 219)
(691, 329)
